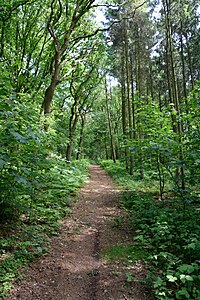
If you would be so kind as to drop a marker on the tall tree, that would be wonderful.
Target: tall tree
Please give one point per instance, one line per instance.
(67, 27)
(84, 76)
(112, 142)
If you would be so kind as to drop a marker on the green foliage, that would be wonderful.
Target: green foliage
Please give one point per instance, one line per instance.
(29, 237)
(95, 136)
(23, 156)
(37, 185)
(35, 182)
(15, 171)
(127, 253)
(120, 174)
(20, 243)
(169, 232)
(172, 237)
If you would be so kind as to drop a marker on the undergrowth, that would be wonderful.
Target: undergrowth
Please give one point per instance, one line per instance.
(170, 232)
(30, 222)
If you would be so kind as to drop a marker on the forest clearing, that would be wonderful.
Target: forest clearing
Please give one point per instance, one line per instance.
(88, 87)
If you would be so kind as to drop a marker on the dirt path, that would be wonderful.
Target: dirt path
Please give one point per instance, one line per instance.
(74, 269)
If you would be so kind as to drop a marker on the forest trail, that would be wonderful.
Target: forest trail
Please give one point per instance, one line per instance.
(74, 269)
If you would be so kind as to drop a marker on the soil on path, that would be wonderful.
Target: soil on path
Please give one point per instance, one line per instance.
(74, 269)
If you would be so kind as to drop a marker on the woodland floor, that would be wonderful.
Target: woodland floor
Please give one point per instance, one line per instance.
(75, 268)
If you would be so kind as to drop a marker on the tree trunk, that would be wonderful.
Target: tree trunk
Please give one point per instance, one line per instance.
(132, 97)
(48, 97)
(71, 140)
(106, 147)
(177, 125)
(123, 97)
(190, 61)
(72, 128)
(80, 142)
(130, 113)
(139, 94)
(183, 67)
(110, 125)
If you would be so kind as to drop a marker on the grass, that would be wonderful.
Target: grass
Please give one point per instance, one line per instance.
(129, 182)
(126, 253)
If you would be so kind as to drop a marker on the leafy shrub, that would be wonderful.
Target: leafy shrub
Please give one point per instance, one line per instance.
(29, 235)
(169, 231)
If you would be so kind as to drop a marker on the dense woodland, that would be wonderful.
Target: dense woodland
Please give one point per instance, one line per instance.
(124, 92)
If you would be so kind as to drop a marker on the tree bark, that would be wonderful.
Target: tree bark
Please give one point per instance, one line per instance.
(123, 97)
(72, 128)
(61, 43)
(80, 142)
(190, 61)
(139, 94)
(48, 97)
(177, 124)
(132, 97)
(112, 142)
(130, 113)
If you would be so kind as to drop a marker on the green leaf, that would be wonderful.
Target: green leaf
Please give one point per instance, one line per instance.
(184, 293)
(185, 278)
(186, 268)
(129, 277)
(39, 249)
(162, 294)
(172, 278)
(19, 137)
(159, 282)
(2, 163)
(21, 179)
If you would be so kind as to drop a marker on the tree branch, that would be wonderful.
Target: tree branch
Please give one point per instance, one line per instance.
(78, 38)
(50, 27)
(14, 8)
(116, 6)
(59, 14)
